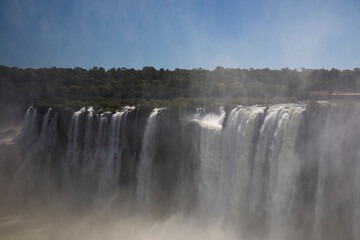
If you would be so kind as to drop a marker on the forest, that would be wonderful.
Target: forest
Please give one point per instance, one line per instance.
(180, 88)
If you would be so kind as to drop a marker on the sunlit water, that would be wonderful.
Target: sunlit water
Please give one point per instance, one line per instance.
(277, 172)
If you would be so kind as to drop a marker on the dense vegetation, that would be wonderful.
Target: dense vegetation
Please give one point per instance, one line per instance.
(179, 88)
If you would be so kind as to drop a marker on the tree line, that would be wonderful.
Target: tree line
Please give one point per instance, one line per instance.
(113, 88)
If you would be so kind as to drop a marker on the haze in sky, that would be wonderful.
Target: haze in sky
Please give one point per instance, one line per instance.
(180, 33)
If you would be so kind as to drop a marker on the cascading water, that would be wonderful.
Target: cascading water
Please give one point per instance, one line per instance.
(145, 170)
(275, 172)
(337, 193)
(238, 138)
(96, 145)
(210, 161)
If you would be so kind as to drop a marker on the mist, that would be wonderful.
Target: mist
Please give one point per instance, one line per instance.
(257, 172)
(134, 119)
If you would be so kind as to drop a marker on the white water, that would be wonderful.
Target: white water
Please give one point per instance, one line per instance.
(248, 175)
(145, 171)
(95, 149)
(210, 162)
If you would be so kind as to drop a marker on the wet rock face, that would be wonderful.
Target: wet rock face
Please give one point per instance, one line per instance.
(283, 171)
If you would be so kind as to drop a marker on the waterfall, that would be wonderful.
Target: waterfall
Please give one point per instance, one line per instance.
(34, 173)
(271, 172)
(337, 195)
(265, 147)
(237, 152)
(210, 161)
(284, 176)
(30, 129)
(145, 170)
(95, 149)
(74, 139)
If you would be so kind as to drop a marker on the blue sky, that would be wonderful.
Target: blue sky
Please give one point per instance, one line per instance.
(180, 34)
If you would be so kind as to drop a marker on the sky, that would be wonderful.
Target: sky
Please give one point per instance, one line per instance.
(180, 33)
